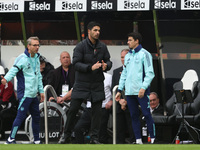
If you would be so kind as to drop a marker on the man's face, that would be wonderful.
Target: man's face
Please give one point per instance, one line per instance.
(65, 59)
(123, 53)
(154, 101)
(42, 66)
(34, 47)
(132, 43)
(94, 32)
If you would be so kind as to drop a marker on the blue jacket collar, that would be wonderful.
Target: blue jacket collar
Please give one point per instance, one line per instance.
(137, 49)
(28, 54)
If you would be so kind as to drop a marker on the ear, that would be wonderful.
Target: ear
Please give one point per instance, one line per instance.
(28, 46)
(137, 41)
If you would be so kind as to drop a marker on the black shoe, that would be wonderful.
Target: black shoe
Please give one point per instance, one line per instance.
(94, 142)
(65, 139)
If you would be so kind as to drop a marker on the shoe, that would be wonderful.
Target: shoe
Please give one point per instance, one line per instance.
(65, 139)
(155, 141)
(10, 142)
(94, 142)
(37, 142)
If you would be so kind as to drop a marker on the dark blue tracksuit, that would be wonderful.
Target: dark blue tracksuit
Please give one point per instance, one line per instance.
(29, 83)
(133, 102)
(137, 74)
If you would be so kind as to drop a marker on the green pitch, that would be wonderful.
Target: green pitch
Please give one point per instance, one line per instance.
(100, 147)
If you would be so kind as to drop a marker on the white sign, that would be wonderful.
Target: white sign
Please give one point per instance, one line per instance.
(11, 5)
(133, 5)
(190, 4)
(39, 6)
(98, 5)
(159, 4)
(71, 5)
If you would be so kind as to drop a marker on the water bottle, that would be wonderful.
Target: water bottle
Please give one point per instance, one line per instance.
(177, 140)
(149, 139)
(144, 131)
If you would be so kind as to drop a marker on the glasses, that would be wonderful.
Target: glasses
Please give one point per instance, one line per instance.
(36, 45)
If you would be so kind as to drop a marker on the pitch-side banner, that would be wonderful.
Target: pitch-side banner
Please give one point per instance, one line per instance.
(38, 5)
(133, 5)
(190, 4)
(102, 5)
(71, 5)
(11, 6)
(165, 4)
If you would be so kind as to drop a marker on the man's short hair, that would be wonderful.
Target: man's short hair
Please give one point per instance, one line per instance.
(154, 93)
(42, 59)
(125, 50)
(92, 24)
(32, 38)
(136, 36)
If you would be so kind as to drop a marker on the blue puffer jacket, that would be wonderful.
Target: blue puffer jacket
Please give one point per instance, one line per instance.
(29, 79)
(137, 72)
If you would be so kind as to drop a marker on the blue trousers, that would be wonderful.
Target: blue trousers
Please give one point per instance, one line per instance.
(27, 104)
(133, 102)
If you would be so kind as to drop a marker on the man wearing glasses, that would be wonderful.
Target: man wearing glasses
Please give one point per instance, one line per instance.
(27, 70)
(155, 107)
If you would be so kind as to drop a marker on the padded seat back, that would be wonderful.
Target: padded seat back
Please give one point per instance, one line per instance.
(188, 82)
(188, 79)
(195, 106)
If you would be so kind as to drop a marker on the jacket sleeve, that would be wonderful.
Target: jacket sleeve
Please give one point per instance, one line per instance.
(18, 65)
(148, 69)
(107, 59)
(122, 79)
(40, 84)
(78, 59)
(7, 93)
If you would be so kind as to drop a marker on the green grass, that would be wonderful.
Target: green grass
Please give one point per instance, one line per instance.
(100, 147)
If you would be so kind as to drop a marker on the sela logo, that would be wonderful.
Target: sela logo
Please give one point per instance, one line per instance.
(160, 4)
(137, 4)
(33, 6)
(71, 5)
(8, 6)
(193, 4)
(95, 5)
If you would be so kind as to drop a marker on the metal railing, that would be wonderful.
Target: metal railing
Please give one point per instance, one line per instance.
(49, 87)
(46, 88)
(114, 114)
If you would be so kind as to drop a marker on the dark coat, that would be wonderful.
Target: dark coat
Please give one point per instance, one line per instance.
(158, 111)
(57, 79)
(46, 73)
(116, 76)
(89, 84)
(115, 81)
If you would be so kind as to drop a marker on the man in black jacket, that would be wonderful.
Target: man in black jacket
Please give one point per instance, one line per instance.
(62, 78)
(90, 59)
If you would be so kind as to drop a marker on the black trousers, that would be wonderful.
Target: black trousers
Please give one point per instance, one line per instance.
(124, 127)
(95, 117)
(84, 123)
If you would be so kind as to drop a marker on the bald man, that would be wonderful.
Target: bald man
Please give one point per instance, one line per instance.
(62, 78)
